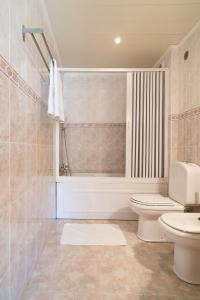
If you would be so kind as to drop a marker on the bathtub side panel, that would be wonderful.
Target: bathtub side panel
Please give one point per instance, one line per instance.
(100, 200)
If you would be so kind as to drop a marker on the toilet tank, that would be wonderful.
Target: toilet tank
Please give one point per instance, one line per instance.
(184, 183)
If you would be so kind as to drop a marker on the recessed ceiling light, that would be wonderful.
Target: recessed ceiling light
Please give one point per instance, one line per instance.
(118, 40)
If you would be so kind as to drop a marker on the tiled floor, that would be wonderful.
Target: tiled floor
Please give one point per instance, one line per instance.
(139, 271)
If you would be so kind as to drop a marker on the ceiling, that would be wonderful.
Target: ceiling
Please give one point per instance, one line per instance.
(85, 30)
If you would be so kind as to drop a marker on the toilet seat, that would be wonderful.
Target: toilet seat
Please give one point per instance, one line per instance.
(149, 207)
(187, 222)
(157, 202)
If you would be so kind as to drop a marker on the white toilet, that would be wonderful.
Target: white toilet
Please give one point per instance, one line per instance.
(184, 231)
(184, 189)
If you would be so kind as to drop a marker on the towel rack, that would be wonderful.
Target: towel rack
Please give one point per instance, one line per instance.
(32, 32)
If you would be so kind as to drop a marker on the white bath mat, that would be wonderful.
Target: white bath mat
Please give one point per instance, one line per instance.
(92, 234)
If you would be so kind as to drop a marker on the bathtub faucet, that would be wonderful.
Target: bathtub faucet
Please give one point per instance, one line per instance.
(65, 169)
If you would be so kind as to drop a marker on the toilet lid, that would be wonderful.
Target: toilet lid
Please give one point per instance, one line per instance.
(186, 222)
(152, 200)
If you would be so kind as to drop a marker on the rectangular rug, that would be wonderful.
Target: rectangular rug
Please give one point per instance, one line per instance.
(92, 234)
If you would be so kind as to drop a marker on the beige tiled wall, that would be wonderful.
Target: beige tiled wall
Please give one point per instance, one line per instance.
(97, 148)
(95, 115)
(184, 114)
(27, 185)
(95, 97)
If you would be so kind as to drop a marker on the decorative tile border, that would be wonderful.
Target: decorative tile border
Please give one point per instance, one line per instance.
(187, 114)
(9, 72)
(95, 125)
(118, 173)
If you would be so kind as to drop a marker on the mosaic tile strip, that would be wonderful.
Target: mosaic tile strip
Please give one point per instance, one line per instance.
(95, 125)
(8, 71)
(187, 114)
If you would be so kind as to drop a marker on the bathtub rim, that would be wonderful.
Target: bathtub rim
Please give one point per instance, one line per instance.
(109, 179)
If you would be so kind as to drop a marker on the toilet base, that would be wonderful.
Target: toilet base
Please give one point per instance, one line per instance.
(187, 263)
(149, 230)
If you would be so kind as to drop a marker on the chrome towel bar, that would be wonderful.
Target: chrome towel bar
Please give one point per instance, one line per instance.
(32, 32)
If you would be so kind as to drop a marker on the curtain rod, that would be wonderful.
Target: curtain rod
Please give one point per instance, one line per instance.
(32, 32)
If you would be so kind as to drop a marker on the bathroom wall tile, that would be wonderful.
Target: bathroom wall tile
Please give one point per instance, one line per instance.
(32, 201)
(18, 115)
(51, 159)
(18, 226)
(85, 105)
(174, 133)
(33, 252)
(194, 154)
(188, 136)
(18, 165)
(27, 198)
(18, 55)
(113, 150)
(18, 275)
(173, 155)
(185, 98)
(4, 108)
(43, 157)
(197, 129)
(45, 127)
(5, 286)
(195, 125)
(24, 56)
(31, 160)
(32, 120)
(28, 218)
(198, 154)
(96, 149)
(4, 241)
(181, 127)
(95, 133)
(4, 174)
(5, 27)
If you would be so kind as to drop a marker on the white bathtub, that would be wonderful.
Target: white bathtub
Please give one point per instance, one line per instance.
(97, 174)
(82, 197)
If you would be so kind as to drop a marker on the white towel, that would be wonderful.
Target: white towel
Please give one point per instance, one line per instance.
(55, 101)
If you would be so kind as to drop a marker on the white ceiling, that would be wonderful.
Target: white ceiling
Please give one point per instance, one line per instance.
(85, 30)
